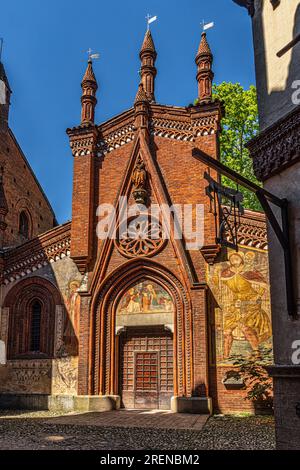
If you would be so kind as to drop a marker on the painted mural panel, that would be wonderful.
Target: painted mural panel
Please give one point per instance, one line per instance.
(71, 326)
(145, 303)
(241, 304)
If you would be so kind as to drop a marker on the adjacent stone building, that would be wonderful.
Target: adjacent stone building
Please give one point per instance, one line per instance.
(276, 161)
(25, 207)
(95, 322)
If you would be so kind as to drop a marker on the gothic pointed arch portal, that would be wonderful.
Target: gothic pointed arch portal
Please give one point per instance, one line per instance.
(145, 325)
(142, 321)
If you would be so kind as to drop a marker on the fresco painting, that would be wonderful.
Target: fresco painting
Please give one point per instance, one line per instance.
(145, 297)
(71, 327)
(240, 288)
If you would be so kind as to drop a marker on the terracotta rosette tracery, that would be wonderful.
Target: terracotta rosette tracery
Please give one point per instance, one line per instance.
(143, 236)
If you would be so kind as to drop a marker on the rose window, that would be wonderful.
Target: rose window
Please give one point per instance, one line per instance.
(141, 236)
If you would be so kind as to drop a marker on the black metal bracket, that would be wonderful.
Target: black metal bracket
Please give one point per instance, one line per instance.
(265, 198)
(233, 209)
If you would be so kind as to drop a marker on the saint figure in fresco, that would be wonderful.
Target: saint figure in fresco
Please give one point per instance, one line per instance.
(149, 298)
(152, 295)
(145, 297)
(133, 302)
(146, 301)
(71, 326)
(244, 317)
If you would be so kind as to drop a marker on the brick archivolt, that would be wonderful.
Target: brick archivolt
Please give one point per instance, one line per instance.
(103, 309)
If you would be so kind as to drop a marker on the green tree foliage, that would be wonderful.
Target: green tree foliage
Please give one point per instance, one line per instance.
(252, 370)
(240, 124)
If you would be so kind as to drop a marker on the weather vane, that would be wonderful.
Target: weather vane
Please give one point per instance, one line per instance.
(150, 19)
(206, 26)
(92, 56)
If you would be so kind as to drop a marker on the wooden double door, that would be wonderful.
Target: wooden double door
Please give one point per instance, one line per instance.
(146, 368)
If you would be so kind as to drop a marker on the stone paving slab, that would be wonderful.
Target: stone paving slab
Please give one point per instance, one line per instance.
(33, 430)
(151, 419)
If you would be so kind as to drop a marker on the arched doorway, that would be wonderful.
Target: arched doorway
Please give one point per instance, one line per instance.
(145, 324)
(103, 371)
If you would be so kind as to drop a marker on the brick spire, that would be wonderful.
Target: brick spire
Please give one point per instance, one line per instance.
(88, 99)
(141, 95)
(204, 60)
(141, 108)
(148, 70)
(3, 210)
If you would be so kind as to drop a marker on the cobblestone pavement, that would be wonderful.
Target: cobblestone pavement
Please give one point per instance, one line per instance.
(133, 430)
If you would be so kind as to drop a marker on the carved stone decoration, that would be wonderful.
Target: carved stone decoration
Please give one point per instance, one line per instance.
(27, 376)
(141, 237)
(277, 147)
(65, 375)
(139, 181)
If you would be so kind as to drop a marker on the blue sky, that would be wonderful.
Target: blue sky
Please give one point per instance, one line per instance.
(45, 58)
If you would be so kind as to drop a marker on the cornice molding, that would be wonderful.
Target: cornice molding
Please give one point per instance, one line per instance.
(277, 147)
(36, 253)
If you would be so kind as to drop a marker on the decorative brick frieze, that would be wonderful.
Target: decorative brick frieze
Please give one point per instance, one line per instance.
(83, 139)
(36, 253)
(253, 234)
(116, 139)
(177, 123)
(252, 231)
(185, 131)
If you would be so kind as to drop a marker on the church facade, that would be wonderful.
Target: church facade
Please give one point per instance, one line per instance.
(106, 311)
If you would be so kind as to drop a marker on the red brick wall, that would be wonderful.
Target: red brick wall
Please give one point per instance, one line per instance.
(98, 180)
(22, 193)
(224, 399)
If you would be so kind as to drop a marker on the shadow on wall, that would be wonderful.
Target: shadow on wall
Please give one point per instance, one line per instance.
(39, 325)
(275, 104)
